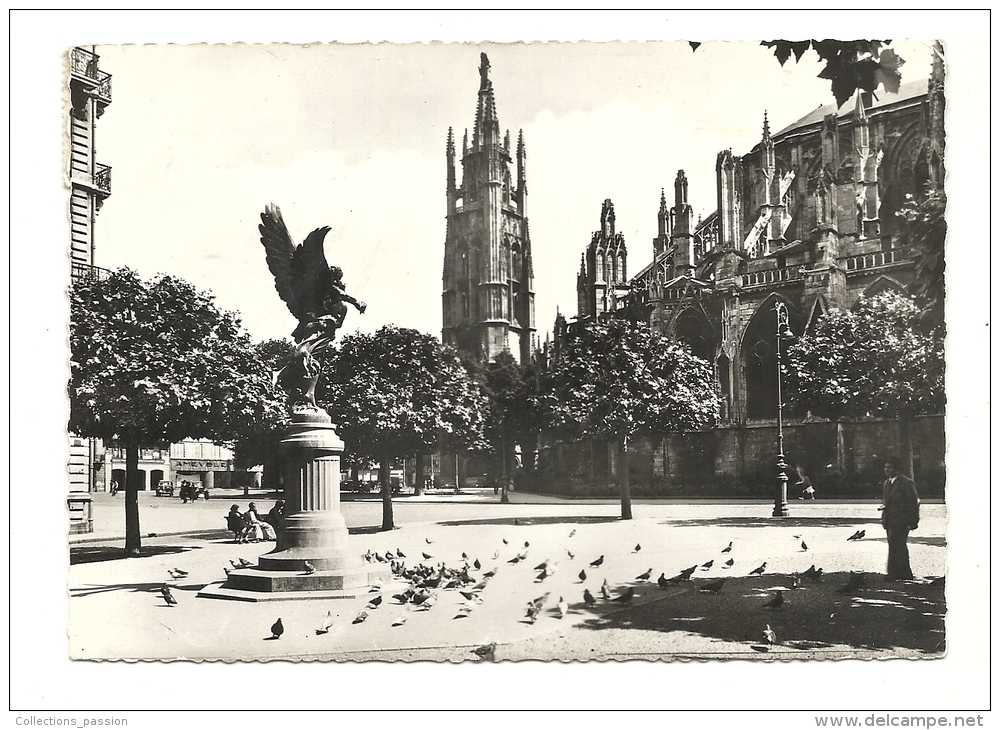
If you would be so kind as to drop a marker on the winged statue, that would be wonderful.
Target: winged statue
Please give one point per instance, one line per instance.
(316, 296)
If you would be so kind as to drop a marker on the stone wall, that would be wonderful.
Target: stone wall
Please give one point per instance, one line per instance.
(842, 460)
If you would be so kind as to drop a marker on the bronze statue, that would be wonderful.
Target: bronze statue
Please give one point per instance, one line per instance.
(484, 72)
(315, 294)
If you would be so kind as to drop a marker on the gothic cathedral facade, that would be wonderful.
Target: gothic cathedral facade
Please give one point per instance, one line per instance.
(488, 298)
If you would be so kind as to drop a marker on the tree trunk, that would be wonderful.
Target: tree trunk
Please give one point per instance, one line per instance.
(624, 480)
(386, 482)
(133, 536)
(906, 444)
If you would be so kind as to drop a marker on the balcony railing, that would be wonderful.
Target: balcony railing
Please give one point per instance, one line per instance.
(102, 178)
(870, 260)
(87, 272)
(772, 276)
(84, 65)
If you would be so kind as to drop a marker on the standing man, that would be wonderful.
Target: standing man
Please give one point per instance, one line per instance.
(900, 514)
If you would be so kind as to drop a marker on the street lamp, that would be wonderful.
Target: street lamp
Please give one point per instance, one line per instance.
(784, 333)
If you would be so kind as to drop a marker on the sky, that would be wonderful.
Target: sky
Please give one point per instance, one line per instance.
(201, 137)
(198, 149)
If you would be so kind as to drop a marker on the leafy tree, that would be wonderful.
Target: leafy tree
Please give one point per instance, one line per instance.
(923, 231)
(158, 361)
(620, 380)
(850, 65)
(511, 414)
(395, 393)
(873, 361)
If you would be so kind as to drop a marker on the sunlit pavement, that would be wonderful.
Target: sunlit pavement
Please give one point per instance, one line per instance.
(816, 621)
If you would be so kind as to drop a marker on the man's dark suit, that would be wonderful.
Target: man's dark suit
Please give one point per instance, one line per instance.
(900, 514)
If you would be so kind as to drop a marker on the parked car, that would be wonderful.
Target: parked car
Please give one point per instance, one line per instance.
(165, 489)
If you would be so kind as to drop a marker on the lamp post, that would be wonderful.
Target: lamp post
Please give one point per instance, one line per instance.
(784, 332)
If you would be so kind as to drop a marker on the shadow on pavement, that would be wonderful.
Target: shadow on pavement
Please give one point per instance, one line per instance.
(880, 615)
(92, 590)
(768, 521)
(102, 553)
(524, 521)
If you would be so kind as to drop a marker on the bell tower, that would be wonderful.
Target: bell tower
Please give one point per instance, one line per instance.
(488, 298)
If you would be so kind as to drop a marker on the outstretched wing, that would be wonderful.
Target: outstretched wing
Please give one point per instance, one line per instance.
(280, 253)
(310, 273)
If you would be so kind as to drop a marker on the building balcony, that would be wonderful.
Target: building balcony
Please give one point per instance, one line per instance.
(87, 272)
(84, 68)
(771, 276)
(867, 261)
(102, 179)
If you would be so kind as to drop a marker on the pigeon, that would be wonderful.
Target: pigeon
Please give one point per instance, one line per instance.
(228, 571)
(428, 541)
(816, 575)
(582, 576)
(637, 548)
(541, 576)
(465, 556)
(662, 580)
(471, 596)
(505, 541)
(400, 621)
(532, 613)
(760, 570)
(769, 636)
(715, 586)
(645, 576)
(235, 565)
(360, 618)
(810, 572)
(399, 554)
(572, 532)
(477, 565)
(684, 574)
(178, 573)
(368, 556)
(708, 565)
(309, 567)
(375, 603)
(854, 582)
(426, 556)
(496, 554)
(327, 623)
(463, 612)
(777, 601)
(857, 535)
(375, 588)
(244, 563)
(486, 653)
(168, 596)
(404, 597)
(804, 546)
(379, 558)
(490, 574)
(626, 597)
(605, 591)
(277, 629)
(728, 548)
(597, 563)
(389, 557)
(526, 543)
(728, 563)
(563, 607)
(542, 566)
(796, 582)
(588, 597)
(570, 553)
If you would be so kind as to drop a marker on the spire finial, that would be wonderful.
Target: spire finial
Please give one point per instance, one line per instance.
(767, 127)
(484, 72)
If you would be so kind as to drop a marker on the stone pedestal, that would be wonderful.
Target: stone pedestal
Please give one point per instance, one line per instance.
(313, 530)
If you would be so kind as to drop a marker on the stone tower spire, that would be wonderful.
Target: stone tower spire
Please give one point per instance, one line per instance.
(682, 219)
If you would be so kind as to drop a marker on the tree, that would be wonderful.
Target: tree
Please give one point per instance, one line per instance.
(620, 380)
(511, 415)
(923, 230)
(395, 393)
(158, 361)
(873, 362)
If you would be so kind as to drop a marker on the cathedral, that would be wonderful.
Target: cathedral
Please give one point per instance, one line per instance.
(488, 299)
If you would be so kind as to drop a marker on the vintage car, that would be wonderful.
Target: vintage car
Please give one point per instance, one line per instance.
(165, 489)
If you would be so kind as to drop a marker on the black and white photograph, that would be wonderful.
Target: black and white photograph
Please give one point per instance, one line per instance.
(410, 353)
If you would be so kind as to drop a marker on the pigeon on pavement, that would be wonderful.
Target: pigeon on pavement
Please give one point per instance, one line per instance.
(327, 623)
(542, 566)
(168, 596)
(375, 603)
(597, 563)
(684, 574)
(572, 532)
(477, 565)
(715, 586)
(588, 597)
(563, 607)
(399, 554)
(662, 580)
(310, 568)
(769, 636)
(804, 546)
(582, 576)
(360, 618)
(728, 548)
(177, 573)
(400, 621)
(759, 570)
(777, 601)
(605, 590)
(645, 576)
(428, 541)
(637, 548)
(245, 563)
(486, 653)
(708, 565)
(854, 582)
(857, 535)
(541, 576)
(570, 553)
(277, 629)
(626, 597)
(426, 556)
(728, 563)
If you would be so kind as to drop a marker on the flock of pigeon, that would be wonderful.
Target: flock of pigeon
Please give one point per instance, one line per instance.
(426, 579)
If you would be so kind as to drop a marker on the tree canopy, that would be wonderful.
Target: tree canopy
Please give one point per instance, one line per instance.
(923, 231)
(156, 361)
(396, 393)
(873, 361)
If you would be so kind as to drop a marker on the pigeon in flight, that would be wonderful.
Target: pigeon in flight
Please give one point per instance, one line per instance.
(645, 576)
(626, 597)
(310, 568)
(759, 570)
(597, 563)
(709, 564)
(588, 597)
(277, 629)
(728, 548)
(777, 601)
(563, 607)
(715, 586)
(327, 624)
(728, 563)
(168, 596)
(857, 535)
